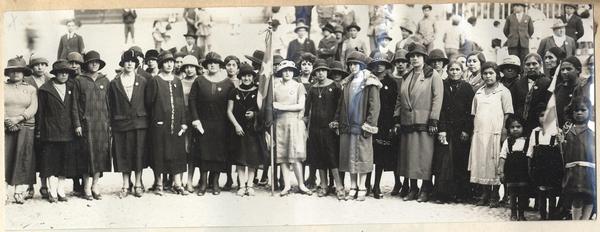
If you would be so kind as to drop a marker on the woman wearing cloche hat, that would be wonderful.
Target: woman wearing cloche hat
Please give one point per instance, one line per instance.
(190, 71)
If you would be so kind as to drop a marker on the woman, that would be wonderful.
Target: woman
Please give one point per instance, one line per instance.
(208, 106)
(473, 73)
(129, 121)
(20, 106)
(290, 138)
(418, 108)
(438, 61)
(356, 121)
(91, 88)
(247, 144)
(164, 102)
(189, 72)
(491, 106)
(552, 57)
(452, 176)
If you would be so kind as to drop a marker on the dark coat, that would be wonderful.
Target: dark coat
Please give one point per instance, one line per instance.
(548, 42)
(295, 49)
(127, 114)
(456, 107)
(56, 117)
(129, 16)
(518, 33)
(327, 47)
(518, 91)
(74, 44)
(196, 51)
(143, 73)
(574, 27)
(539, 94)
(31, 81)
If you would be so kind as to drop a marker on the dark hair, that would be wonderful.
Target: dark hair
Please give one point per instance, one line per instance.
(574, 61)
(230, 58)
(539, 108)
(479, 56)
(513, 118)
(576, 101)
(426, 6)
(496, 23)
(493, 66)
(472, 20)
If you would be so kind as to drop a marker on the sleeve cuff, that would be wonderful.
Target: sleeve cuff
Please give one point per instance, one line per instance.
(369, 128)
(432, 122)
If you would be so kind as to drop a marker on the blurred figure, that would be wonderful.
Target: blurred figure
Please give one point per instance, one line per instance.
(129, 16)
(189, 14)
(70, 42)
(574, 26)
(518, 29)
(426, 28)
(203, 23)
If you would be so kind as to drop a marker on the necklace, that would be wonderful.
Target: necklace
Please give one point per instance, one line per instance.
(245, 94)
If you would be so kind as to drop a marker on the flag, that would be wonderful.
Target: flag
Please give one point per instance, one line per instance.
(550, 120)
(265, 85)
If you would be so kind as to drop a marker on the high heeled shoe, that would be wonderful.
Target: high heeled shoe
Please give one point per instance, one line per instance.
(412, 195)
(361, 195)
(305, 192)
(377, 193)
(44, 192)
(179, 190)
(30, 193)
(137, 191)
(351, 194)
(19, 198)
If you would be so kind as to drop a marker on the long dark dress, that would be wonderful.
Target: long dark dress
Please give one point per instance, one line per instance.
(92, 102)
(385, 147)
(164, 102)
(451, 160)
(323, 144)
(250, 149)
(208, 103)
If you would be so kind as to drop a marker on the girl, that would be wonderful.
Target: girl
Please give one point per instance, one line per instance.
(356, 121)
(91, 88)
(579, 182)
(208, 106)
(513, 166)
(129, 122)
(323, 143)
(247, 144)
(20, 106)
(57, 129)
(450, 166)
(164, 102)
(491, 106)
(189, 69)
(288, 103)
(473, 75)
(547, 166)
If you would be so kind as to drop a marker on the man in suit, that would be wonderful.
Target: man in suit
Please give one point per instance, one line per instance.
(574, 27)
(558, 39)
(70, 42)
(518, 30)
(191, 48)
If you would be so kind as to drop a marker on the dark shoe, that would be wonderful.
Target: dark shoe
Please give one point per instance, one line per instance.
(377, 193)
(368, 189)
(396, 190)
(44, 192)
(521, 218)
(51, 199)
(263, 182)
(412, 195)
(137, 191)
(19, 198)
(423, 196)
(30, 193)
(201, 190)
(216, 190)
(87, 197)
(307, 192)
(96, 196)
(494, 203)
(403, 192)
(227, 186)
(180, 190)
(62, 198)
(310, 183)
(514, 218)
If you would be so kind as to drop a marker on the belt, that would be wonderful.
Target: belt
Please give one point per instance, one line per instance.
(580, 163)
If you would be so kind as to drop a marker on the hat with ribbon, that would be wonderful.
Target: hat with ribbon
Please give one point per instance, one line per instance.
(286, 65)
(62, 66)
(379, 58)
(93, 56)
(17, 64)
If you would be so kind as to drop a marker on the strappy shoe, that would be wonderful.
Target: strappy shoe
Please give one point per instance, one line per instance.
(322, 192)
(284, 192)
(158, 190)
(241, 192)
(341, 194)
(30, 193)
(179, 190)
(124, 192)
(351, 194)
(19, 199)
(44, 192)
(250, 191)
(361, 195)
(137, 191)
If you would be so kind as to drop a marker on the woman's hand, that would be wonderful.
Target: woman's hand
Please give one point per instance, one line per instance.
(249, 114)
(79, 131)
(198, 125)
(464, 136)
(15, 120)
(238, 130)
(433, 129)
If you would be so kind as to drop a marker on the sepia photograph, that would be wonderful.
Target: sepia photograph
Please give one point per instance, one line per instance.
(265, 116)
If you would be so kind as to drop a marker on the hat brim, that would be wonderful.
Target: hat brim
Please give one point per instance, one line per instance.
(253, 59)
(190, 35)
(354, 61)
(340, 71)
(353, 26)
(185, 65)
(279, 72)
(55, 72)
(328, 29)
(504, 66)
(25, 70)
(122, 62)
(406, 29)
(387, 64)
(243, 73)
(208, 61)
(31, 65)
(300, 27)
(102, 63)
(425, 56)
(320, 68)
(431, 60)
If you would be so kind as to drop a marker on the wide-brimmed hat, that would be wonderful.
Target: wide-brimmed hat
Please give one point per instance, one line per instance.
(285, 65)
(558, 24)
(212, 57)
(320, 64)
(300, 25)
(138, 51)
(328, 27)
(353, 25)
(164, 57)
(277, 59)
(151, 55)
(17, 64)
(246, 68)
(129, 55)
(436, 55)
(417, 48)
(510, 61)
(257, 56)
(338, 28)
(35, 60)
(357, 57)
(400, 55)
(379, 58)
(75, 57)
(190, 35)
(408, 25)
(62, 66)
(93, 56)
(190, 60)
(337, 66)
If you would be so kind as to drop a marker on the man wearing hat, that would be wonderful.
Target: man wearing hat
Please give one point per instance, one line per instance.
(558, 39)
(353, 43)
(151, 60)
(426, 27)
(385, 155)
(518, 87)
(438, 61)
(70, 42)
(339, 36)
(518, 29)
(256, 59)
(574, 27)
(408, 28)
(75, 60)
(401, 63)
(191, 48)
(300, 45)
(328, 45)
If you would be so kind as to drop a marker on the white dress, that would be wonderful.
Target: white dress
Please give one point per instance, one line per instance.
(290, 131)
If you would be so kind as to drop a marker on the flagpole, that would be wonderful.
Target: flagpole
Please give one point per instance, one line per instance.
(268, 58)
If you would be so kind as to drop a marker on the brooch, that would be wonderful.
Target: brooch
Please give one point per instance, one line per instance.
(69, 92)
(137, 83)
(237, 97)
(253, 95)
(102, 87)
(535, 87)
(385, 87)
(330, 90)
(219, 89)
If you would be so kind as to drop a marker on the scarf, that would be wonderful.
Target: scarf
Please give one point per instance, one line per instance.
(559, 40)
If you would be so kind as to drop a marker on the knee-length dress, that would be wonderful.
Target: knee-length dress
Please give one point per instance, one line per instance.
(164, 102)
(489, 110)
(129, 122)
(290, 131)
(547, 166)
(323, 144)
(249, 149)
(20, 99)
(580, 162)
(92, 102)
(358, 113)
(208, 103)
(385, 145)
